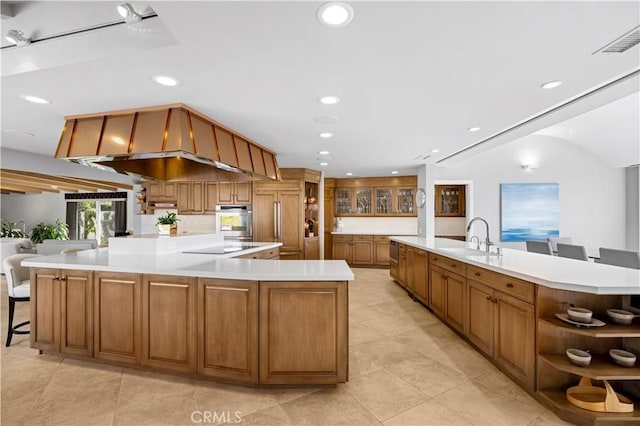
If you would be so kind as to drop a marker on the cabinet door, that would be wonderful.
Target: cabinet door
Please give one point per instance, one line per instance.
(264, 214)
(184, 206)
(364, 201)
(405, 201)
(381, 252)
(312, 248)
(480, 316)
(419, 269)
(169, 322)
(242, 192)
(402, 269)
(196, 195)
(450, 200)
(362, 252)
(117, 317)
(514, 337)
(344, 201)
(210, 197)
(384, 201)
(155, 190)
(341, 251)
(303, 332)
(225, 192)
(45, 309)
(437, 290)
(76, 327)
(291, 222)
(456, 295)
(228, 329)
(170, 190)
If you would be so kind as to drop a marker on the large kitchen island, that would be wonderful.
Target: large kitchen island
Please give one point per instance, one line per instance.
(506, 305)
(251, 320)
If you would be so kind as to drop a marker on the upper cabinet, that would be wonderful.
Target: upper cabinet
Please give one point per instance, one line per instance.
(450, 200)
(375, 196)
(234, 192)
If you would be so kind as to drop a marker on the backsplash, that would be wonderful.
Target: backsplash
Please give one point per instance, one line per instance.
(192, 224)
(380, 225)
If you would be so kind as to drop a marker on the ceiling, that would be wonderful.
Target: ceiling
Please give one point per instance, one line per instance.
(412, 76)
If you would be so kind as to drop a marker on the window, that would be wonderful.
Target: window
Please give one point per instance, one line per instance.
(96, 216)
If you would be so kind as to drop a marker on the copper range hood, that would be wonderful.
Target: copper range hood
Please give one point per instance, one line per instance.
(168, 142)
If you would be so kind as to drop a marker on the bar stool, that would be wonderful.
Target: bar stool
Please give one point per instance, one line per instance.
(624, 258)
(18, 288)
(572, 251)
(542, 247)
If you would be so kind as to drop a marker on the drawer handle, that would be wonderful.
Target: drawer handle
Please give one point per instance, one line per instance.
(453, 265)
(477, 274)
(509, 285)
(489, 298)
(435, 259)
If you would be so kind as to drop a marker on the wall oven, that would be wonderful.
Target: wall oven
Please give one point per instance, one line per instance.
(234, 222)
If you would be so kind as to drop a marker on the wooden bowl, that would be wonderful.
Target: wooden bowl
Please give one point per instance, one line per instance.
(593, 398)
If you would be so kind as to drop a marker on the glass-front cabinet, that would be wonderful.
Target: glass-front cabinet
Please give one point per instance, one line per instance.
(450, 200)
(344, 200)
(405, 201)
(364, 200)
(384, 201)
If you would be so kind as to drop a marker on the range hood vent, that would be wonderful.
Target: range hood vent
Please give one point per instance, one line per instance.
(169, 142)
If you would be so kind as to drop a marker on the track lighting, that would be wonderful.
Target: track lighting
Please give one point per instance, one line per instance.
(17, 37)
(128, 13)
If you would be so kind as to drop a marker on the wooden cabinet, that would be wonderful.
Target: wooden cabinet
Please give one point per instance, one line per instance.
(191, 198)
(342, 248)
(455, 301)
(210, 200)
(272, 253)
(234, 193)
(377, 201)
(448, 292)
(290, 354)
(384, 201)
(381, 248)
(437, 290)
(356, 250)
(312, 248)
(402, 264)
(61, 311)
(450, 201)
(417, 275)
(228, 330)
(117, 317)
(405, 199)
(161, 191)
(169, 322)
(278, 217)
(344, 201)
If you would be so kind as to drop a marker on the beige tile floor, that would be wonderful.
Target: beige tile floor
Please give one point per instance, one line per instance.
(406, 368)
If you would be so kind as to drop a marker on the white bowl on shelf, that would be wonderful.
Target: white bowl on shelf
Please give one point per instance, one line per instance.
(579, 357)
(620, 316)
(623, 358)
(579, 314)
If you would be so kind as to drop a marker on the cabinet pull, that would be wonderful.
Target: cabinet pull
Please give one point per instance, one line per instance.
(275, 220)
(62, 278)
(509, 285)
(495, 300)
(435, 259)
(453, 265)
(489, 298)
(477, 274)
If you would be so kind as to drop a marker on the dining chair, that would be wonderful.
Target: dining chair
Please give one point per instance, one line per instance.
(572, 251)
(543, 247)
(18, 289)
(555, 240)
(624, 258)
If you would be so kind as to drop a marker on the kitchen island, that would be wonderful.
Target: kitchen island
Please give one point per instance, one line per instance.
(247, 321)
(506, 305)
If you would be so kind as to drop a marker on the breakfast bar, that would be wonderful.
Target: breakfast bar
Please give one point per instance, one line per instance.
(241, 320)
(512, 308)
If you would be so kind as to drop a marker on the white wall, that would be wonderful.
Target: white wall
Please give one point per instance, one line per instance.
(633, 208)
(592, 194)
(380, 225)
(47, 207)
(192, 224)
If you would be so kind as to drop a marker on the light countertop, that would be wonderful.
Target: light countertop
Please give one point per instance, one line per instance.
(361, 233)
(221, 266)
(550, 271)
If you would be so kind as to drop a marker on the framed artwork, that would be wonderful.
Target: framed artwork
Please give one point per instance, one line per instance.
(529, 211)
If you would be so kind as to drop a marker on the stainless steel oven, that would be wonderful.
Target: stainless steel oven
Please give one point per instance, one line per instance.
(234, 222)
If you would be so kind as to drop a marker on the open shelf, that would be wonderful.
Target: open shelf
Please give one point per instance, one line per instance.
(601, 368)
(608, 330)
(557, 400)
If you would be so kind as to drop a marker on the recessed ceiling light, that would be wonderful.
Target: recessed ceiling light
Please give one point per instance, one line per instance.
(349, 174)
(335, 14)
(329, 100)
(473, 129)
(165, 80)
(35, 99)
(326, 119)
(435, 150)
(395, 172)
(323, 152)
(324, 164)
(326, 135)
(551, 84)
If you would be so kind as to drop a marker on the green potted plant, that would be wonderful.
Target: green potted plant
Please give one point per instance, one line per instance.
(44, 231)
(168, 224)
(11, 230)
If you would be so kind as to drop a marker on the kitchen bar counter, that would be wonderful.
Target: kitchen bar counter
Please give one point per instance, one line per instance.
(550, 271)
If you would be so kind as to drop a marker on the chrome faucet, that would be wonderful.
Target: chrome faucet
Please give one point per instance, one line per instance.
(477, 243)
(487, 241)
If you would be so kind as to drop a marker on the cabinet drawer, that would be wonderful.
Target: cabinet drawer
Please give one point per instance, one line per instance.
(382, 238)
(518, 288)
(363, 238)
(342, 238)
(448, 264)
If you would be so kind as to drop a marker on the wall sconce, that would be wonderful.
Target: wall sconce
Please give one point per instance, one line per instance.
(529, 167)
(17, 37)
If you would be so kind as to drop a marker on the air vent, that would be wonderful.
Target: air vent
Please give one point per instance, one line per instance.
(622, 43)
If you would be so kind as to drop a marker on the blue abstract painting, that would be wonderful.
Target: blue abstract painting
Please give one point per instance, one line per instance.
(530, 211)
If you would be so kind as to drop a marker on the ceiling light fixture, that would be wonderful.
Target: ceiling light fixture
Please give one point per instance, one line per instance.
(324, 164)
(128, 13)
(326, 135)
(551, 84)
(349, 174)
(35, 99)
(395, 172)
(17, 37)
(473, 129)
(529, 167)
(329, 100)
(323, 152)
(165, 80)
(335, 14)
(435, 150)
